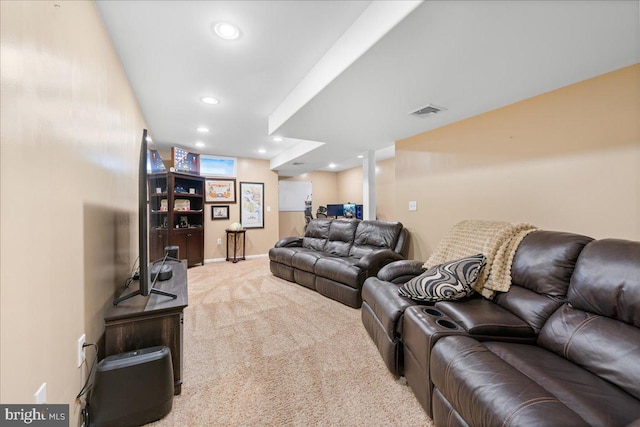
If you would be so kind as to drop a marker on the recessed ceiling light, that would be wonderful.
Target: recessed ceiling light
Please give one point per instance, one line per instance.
(262, 151)
(332, 165)
(203, 129)
(276, 139)
(209, 100)
(226, 31)
(199, 144)
(361, 156)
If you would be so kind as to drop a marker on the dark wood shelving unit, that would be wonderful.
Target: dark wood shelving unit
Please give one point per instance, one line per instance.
(171, 226)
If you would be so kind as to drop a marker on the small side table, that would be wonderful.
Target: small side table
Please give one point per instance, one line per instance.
(236, 236)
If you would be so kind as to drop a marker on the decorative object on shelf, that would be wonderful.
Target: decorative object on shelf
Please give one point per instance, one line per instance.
(219, 212)
(182, 205)
(236, 226)
(220, 190)
(218, 166)
(252, 204)
(185, 161)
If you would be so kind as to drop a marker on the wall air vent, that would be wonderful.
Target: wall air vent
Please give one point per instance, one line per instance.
(427, 110)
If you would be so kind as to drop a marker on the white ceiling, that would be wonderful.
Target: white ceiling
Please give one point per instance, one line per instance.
(467, 56)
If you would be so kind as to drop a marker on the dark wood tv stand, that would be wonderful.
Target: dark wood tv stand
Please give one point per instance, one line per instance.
(141, 322)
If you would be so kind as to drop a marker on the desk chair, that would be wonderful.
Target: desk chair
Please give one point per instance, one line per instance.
(321, 212)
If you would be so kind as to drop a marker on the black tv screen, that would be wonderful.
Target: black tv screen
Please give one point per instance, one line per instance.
(335, 210)
(151, 174)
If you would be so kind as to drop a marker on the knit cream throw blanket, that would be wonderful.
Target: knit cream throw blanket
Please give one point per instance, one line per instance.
(496, 240)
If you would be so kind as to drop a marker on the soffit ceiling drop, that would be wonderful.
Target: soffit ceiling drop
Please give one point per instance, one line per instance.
(468, 56)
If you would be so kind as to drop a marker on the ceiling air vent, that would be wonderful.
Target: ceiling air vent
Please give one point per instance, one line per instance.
(427, 110)
(297, 163)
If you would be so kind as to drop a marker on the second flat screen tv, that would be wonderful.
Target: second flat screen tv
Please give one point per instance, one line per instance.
(335, 210)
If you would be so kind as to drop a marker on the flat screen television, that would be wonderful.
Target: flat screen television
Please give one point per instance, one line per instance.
(150, 164)
(335, 210)
(349, 210)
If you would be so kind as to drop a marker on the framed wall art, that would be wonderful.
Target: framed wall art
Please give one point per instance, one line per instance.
(220, 190)
(219, 212)
(252, 204)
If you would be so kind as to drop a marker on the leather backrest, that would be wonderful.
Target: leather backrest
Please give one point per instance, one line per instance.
(599, 327)
(372, 235)
(402, 246)
(540, 275)
(316, 234)
(341, 234)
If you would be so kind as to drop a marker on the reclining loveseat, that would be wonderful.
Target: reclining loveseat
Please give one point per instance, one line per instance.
(560, 348)
(335, 256)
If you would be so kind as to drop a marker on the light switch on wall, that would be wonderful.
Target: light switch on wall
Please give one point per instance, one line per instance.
(413, 205)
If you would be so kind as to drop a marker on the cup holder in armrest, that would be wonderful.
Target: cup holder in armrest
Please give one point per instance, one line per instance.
(432, 311)
(446, 324)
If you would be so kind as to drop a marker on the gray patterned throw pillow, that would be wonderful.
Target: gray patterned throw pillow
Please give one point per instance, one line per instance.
(449, 281)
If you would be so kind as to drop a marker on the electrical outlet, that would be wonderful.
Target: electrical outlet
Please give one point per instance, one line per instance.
(413, 205)
(40, 396)
(81, 352)
(219, 240)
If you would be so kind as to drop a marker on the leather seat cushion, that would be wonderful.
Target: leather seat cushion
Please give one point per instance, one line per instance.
(386, 304)
(306, 261)
(284, 255)
(485, 389)
(340, 269)
(510, 381)
(597, 401)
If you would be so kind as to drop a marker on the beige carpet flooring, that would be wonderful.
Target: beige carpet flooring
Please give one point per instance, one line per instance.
(259, 350)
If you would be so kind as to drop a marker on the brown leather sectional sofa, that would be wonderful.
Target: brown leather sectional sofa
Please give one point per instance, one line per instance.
(336, 256)
(561, 348)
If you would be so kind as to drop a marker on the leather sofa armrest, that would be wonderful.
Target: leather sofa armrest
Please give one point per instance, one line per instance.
(375, 260)
(483, 318)
(289, 242)
(635, 423)
(401, 271)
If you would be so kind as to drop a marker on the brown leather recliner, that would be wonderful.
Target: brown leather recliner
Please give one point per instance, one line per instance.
(583, 368)
(541, 270)
(336, 256)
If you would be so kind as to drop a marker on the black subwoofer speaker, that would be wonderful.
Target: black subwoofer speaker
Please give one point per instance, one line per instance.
(132, 388)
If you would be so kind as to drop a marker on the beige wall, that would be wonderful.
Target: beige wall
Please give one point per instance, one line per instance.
(324, 188)
(258, 241)
(341, 187)
(386, 190)
(70, 133)
(349, 186)
(566, 160)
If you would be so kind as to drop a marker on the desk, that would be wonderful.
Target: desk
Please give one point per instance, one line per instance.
(142, 322)
(235, 236)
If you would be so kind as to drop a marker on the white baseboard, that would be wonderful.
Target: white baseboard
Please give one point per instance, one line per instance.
(210, 260)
